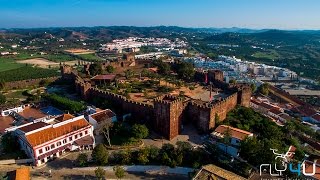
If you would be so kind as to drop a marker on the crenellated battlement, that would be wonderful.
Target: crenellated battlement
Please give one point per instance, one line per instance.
(167, 111)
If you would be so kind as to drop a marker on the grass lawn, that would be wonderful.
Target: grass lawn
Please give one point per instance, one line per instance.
(9, 64)
(16, 94)
(90, 57)
(59, 57)
(267, 55)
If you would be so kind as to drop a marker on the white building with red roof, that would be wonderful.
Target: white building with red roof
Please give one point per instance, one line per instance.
(96, 118)
(236, 136)
(43, 141)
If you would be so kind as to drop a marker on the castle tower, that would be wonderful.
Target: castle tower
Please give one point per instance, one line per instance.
(244, 95)
(168, 116)
(215, 76)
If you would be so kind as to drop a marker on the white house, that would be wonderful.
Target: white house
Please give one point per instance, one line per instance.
(42, 141)
(96, 118)
(236, 135)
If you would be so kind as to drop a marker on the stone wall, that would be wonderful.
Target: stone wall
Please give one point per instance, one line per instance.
(168, 112)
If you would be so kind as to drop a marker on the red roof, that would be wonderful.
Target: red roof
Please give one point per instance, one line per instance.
(235, 132)
(64, 117)
(33, 126)
(104, 77)
(275, 111)
(52, 132)
(101, 115)
(265, 105)
(316, 117)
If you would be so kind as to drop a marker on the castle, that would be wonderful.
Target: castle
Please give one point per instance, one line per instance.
(167, 113)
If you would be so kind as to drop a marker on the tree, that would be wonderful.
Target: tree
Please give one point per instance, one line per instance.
(100, 173)
(153, 152)
(95, 69)
(142, 156)
(119, 171)
(104, 128)
(185, 70)
(264, 89)
(253, 87)
(2, 99)
(2, 84)
(82, 159)
(129, 74)
(110, 69)
(100, 154)
(163, 68)
(232, 81)
(140, 131)
(9, 142)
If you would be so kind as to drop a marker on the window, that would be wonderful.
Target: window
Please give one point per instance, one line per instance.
(47, 148)
(64, 141)
(80, 134)
(59, 143)
(76, 136)
(86, 132)
(40, 151)
(70, 138)
(52, 146)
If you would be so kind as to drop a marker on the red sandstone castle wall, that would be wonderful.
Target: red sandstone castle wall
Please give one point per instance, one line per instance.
(168, 117)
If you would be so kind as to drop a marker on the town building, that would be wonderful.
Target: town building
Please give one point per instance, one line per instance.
(97, 118)
(45, 140)
(236, 136)
(211, 171)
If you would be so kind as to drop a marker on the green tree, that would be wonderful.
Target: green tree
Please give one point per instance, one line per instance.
(82, 159)
(123, 157)
(142, 156)
(140, 131)
(153, 153)
(95, 69)
(264, 89)
(2, 99)
(100, 173)
(119, 171)
(253, 87)
(185, 70)
(2, 84)
(129, 74)
(163, 68)
(232, 81)
(9, 142)
(100, 154)
(110, 69)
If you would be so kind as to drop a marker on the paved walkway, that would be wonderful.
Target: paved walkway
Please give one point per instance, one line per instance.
(146, 169)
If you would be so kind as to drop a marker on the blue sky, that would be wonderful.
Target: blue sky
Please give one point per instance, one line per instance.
(281, 14)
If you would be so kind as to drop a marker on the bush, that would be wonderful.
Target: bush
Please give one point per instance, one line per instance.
(65, 103)
(140, 131)
(100, 173)
(2, 98)
(100, 154)
(119, 171)
(82, 159)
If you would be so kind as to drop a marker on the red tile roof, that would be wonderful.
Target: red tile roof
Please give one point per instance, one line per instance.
(235, 132)
(102, 115)
(316, 117)
(52, 132)
(33, 126)
(275, 111)
(64, 117)
(265, 105)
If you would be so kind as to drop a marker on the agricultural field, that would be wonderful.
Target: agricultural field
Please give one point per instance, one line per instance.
(27, 72)
(7, 64)
(89, 57)
(267, 55)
